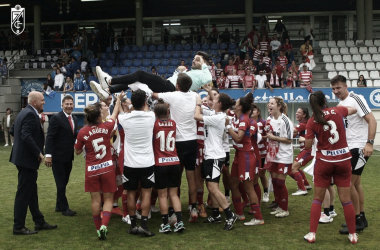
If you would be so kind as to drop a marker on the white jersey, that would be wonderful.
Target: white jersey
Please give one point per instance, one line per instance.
(283, 127)
(214, 131)
(356, 125)
(182, 109)
(138, 146)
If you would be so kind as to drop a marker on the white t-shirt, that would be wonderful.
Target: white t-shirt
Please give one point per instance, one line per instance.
(306, 30)
(261, 81)
(138, 146)
(214, 131)
(58, 80)
(182, 108)
(356, 125)
(275, 44)
(283, 127)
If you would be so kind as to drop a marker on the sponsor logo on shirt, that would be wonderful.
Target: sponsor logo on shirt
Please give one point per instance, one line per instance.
(99, 166)
(335, 152)
(168, 159)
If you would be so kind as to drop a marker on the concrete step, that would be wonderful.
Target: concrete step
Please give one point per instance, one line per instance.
(10, 98)
(9, 89)
(30, 73)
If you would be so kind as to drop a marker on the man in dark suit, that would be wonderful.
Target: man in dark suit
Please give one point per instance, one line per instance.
(27, 155)
(59, 149)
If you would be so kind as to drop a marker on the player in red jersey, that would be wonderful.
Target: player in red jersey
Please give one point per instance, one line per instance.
(262, 145)
(332, 160)
(167, 168)
(304, 157)
(244, 165)
(100, 171)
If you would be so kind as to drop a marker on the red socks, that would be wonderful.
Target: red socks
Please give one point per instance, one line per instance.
(275, 190)
(349, 215)
(124, 200)
(283, 195)
(106, 218)
(244, 195)
(300, 182)
(315, 214)
(118, 192)
(237, 204)
(200, 193)
(305, 182)
(97, 221)
(258, 192)
(256, 211)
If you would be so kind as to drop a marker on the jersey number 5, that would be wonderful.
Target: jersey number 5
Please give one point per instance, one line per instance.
(170, 141)
(97, 148)
(335, 135)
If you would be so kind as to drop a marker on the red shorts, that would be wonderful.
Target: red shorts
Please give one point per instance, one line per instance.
(244, 165)
(304, 157)
(103, 182)
(200, 154)
(340, 171)
(280, 168)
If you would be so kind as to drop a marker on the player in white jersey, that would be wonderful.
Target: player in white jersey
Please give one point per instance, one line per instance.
(360, 133)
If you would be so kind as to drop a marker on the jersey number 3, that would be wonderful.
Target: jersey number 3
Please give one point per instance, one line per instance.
(170, 141)
(335, 135)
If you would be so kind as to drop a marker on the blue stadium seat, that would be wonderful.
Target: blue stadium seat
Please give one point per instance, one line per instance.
(131, 55)
(174, 62)
(161, 70)
(123, 71)
(160, 48)
(232, 46)
(146, 69)
(205, 46)
(107, 70)
(143, 48)
(223, 46)
(93, 78)
(176, 54)
(111, 56)
(232, 51)
(178, 47)
(185, 54)
(114, 71)
(158, 55)
(126, 48)
(187, 47)
(123, 56)
(109, 63)
(149, 55)
(196, 47)
(192, 54)
(169, 48)
(127, 63)
(104, 56)
(215, 60)
(171, 69)
(139, 55)
(155, 62)
(168, 75)
(109, 49)
(93, 62)
(136, 63)
(214, 52)
(152, 48)
(214, 46)
(165, 62)
(135, 48)
(146, 62)
(132, 70)
(167, 54)
(103, 63)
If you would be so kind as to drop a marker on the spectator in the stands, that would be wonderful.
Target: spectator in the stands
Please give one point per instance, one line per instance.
(83, 66)
(67, 48)
(211, 66)
(214, 34)
(293, 69)
(57, 39)
(233, 80)
(283, 59)
(285, 35)
(304, 63)
(76, 53)
(244, 45)
(287, 48)
(237, 37)
(54, 71)
(264, 26)
(362, 82)
(251, 66)
(307, 31)
(62, 67)
(307, 51)
(225, 61)
(85, 37)
(238, 60)
(279, 28)
(93, 48)
(59, 80)
(257, 54)
(224, 52)
(275, 45)
(221, 81)
(246, 59)
(77, 40)
(153, 70)
(218, 70)
(65, 57)
(275, 81)
(193, 35)
(184, 64)
(305, 77)
(248, 81)
(261, 80)
(264, 45)
(230, 67)
(266, 70)
(79, 83)
(241, 71)
(202, 37)
(291, 80)
(266, 60)
(116, 49)
(74, 67)
(68, 85)
(254, 36)
(226, 36)
(279, 70)
(6, 125)
(50, 81)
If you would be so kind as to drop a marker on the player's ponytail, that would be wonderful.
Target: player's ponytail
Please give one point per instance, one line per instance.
(161, 110)
(226, 101)
(92, 114)
(317, 102)
(246, 102)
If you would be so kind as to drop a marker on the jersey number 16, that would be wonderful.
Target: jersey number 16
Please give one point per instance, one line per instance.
(170, 141)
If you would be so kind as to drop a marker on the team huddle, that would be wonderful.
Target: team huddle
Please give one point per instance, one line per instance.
(140, 147)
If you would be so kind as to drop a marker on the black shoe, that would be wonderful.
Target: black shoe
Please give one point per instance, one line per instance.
(359, 228)
(365, 222)
(273, 205)
(146, 232)
(69, 212)
(59, 210)
(23, 231)
(133, 230)
(212, 219)
(45, 226)
(230, 222)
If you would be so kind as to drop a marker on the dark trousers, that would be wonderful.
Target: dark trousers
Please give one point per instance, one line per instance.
(155, 82)
(26, 196)
(61, 172)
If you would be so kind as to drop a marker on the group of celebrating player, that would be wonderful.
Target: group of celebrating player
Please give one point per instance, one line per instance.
(185, 132)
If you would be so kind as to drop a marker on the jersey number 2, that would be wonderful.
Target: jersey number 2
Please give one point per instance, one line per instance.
(170, 141)
(335, 135)
(97, 148)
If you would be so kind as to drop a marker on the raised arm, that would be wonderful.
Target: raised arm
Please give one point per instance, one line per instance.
(117, 108)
